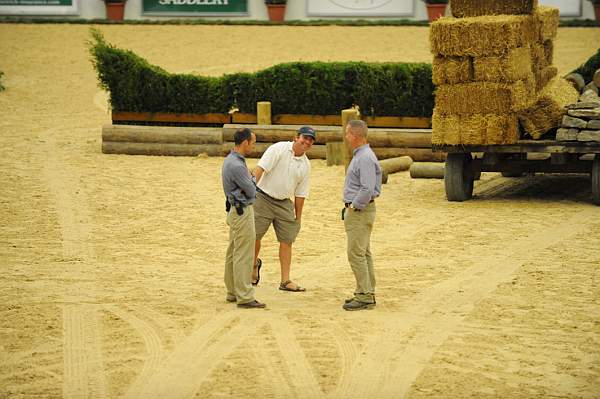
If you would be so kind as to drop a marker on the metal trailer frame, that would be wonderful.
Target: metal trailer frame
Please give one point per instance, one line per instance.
(462, 168)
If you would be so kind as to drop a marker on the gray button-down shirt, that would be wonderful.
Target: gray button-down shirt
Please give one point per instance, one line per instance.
(238, 186)
(363, 178)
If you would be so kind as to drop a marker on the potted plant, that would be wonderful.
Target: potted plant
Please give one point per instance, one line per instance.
(115, 9)
(435, 8)
(276, 9)
(596, 4)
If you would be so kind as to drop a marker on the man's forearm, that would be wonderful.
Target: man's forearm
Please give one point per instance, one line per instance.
(258, 172)
(298, 205)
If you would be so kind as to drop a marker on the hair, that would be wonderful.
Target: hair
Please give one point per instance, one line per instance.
(242, 135)
(358, 127)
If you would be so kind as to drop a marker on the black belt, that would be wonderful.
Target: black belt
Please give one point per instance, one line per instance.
(347, 204)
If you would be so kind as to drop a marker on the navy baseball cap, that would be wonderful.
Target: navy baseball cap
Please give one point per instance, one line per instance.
(308, 131)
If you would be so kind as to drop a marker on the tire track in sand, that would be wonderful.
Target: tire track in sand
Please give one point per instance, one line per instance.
(412, 337)
(182, 373)
(154, 349)
(83, 362)
(294, 359)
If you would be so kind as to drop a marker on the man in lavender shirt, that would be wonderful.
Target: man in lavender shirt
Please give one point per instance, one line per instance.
(361, 187)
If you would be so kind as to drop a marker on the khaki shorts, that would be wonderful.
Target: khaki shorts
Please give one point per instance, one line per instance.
(281, 213)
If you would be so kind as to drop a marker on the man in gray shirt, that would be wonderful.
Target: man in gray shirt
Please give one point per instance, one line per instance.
(361, 187)
(240, 194)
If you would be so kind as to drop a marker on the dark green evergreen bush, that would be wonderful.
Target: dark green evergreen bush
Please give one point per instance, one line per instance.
(588, 69)
(315, 88)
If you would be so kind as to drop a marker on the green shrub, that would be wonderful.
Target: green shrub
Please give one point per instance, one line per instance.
(315, 88)
(588, 69)
(1, 87)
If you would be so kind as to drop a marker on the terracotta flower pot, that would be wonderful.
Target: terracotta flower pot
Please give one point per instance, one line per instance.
(115, 11)
(276, 12)
(434, 11)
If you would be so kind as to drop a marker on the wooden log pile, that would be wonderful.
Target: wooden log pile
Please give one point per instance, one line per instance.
(191, 141)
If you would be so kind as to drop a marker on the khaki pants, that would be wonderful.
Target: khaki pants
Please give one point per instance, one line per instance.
(240, 255)
(359, 226)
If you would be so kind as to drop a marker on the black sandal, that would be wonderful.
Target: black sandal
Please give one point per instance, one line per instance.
(258, 266)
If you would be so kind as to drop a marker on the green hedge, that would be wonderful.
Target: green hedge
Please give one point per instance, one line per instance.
(588, 69)
(316, 88)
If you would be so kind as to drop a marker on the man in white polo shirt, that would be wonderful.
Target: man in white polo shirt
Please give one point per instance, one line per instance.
(282, 173)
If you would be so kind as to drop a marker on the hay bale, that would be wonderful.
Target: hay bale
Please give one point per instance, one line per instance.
(452, 70)
(544, 76)
(482, 36)
(549, 51)
(478, 129)
(475, 8)
(547, 20)
(548, 111)
(542, 55)
(515, 65)
(485, 97)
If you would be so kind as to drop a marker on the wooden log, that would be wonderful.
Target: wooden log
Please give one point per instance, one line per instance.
(275, 133)
(162, 134)
(216, 150)
(394, 165)
(413, 138)
(333, 151)
(427, 170)
(120, 147)
(417, 154)
(263, 112)
(239, 117)
(301, 119)
(398, 121)
(378, 137)
(170, 117)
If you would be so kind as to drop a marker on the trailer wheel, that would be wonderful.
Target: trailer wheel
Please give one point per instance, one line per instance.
(458, 178)
(596, 180)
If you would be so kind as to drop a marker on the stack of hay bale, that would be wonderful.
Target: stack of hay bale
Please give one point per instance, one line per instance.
(492, 61)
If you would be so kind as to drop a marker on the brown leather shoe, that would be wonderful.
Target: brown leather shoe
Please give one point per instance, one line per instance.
(357, 305)
(252, 305)
(230, 298)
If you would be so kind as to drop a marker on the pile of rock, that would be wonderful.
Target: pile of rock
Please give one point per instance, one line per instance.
(582, 121)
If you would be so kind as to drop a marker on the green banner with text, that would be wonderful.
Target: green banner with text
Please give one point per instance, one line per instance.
(187, 7)
(36, 2)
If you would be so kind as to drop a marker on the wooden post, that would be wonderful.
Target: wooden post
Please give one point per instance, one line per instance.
(347, 115)
(334, 151)
(263, 112)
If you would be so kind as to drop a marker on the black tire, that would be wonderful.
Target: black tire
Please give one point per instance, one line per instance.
(596, 180)
(458, 178)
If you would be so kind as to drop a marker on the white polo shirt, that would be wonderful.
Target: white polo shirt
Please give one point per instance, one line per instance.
(285, 175)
